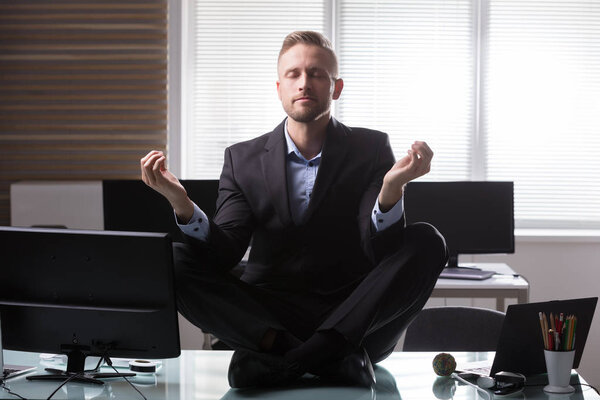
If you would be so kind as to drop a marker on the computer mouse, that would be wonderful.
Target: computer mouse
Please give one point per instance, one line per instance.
(508, 383)
(486, 382)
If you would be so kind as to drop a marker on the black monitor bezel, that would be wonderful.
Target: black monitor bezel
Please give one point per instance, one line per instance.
(508, 245)
(153, 317)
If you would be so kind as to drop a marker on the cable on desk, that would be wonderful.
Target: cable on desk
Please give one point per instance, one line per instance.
(477, 388)
(64, 383)
(586, 384)
(3, 386)
(109, 362)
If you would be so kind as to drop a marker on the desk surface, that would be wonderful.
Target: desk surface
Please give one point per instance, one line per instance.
(202, 375)
(501, 286)
(503, 280)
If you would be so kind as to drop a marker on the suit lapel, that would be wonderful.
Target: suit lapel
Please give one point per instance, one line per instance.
(332, 159)
(273, 169)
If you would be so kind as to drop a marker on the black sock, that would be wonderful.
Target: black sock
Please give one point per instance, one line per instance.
(322, 347)
(284, 342)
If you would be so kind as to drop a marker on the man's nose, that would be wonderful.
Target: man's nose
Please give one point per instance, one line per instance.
(303, 82)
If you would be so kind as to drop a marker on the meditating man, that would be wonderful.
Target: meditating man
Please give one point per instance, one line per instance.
(334, 274)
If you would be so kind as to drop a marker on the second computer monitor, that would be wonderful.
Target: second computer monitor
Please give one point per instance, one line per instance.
(474, 217)
(130, 205)
(88, 293)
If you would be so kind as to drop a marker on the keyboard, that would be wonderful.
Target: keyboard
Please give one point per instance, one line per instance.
(475, 369)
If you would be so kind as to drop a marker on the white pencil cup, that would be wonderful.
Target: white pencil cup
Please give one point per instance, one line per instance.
(559, 365)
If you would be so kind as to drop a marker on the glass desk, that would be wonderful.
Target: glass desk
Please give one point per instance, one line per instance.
(202, 375)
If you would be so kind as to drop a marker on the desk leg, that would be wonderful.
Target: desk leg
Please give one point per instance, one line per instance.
(523, 296)
(500, 303)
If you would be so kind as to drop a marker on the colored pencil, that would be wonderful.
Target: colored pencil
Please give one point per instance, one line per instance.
(544, 337)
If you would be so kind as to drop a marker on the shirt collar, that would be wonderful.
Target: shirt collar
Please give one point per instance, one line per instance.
(291, 146)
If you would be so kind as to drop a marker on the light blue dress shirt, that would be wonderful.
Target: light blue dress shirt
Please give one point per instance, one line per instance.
(301, 176)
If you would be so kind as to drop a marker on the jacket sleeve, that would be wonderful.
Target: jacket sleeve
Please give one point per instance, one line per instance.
(377, 245)
(232, 226)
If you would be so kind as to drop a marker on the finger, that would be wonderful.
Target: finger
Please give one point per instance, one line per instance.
(414, 159)
(158, 167)
(151, 160)
(423, 149)
(150, 154)
(403, 162)
(147, 168)
(143, 161)
(423, 165)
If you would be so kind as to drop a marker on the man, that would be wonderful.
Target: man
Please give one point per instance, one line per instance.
(334, 276)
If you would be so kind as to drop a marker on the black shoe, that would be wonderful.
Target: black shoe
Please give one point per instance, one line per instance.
(251, 369)
(354, 369)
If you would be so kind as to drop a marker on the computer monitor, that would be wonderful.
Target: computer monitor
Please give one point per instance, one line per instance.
(474, 217)
(83, 293)
(130, 205)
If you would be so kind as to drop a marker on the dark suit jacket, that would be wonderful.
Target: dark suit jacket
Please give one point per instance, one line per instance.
(335, 245)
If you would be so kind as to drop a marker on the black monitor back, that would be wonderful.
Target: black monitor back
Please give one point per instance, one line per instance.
(94, 291)
(474, 217)
(130, 205)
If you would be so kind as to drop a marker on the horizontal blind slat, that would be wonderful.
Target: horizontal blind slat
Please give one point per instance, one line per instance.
(83, 89)
(232, 41)
(541, 109)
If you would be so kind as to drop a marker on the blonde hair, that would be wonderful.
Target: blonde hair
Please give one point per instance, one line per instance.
(309, 38)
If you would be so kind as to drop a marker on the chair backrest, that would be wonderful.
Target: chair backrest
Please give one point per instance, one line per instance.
(454, 329)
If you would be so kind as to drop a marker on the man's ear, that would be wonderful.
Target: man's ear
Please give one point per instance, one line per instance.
(338, 85)
(278, 92)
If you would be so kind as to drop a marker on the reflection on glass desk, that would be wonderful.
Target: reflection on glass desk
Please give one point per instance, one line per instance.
(202, 375)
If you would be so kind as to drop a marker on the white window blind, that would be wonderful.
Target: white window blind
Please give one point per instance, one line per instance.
(409, 69)
(233, 69)
(500, 89)
(541, 108)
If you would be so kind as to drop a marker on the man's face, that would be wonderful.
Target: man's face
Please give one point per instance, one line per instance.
(306, 82)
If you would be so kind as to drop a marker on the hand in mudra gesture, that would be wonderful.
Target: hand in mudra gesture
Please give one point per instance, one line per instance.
(410, 167)
(156, 175)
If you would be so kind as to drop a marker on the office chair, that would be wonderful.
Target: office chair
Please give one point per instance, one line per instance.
(454, 329)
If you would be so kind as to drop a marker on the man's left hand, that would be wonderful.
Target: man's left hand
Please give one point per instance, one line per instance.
(415, 164)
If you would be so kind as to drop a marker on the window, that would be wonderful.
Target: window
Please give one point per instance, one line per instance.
(502, 90)
(541, 108)
(231, 83)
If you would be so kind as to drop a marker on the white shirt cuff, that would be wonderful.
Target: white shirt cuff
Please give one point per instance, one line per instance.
(197, 227)
(383, 220)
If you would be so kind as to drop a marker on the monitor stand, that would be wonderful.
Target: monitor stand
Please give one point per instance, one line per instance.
(452, 261)
(76, 366)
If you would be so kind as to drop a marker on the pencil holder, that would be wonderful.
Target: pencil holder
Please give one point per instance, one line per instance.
(559, 365)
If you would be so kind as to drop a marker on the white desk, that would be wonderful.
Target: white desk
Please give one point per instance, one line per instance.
(202, 375)
(499, 287)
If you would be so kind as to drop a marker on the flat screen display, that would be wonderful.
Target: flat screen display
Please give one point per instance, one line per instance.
(93, 292)
(130, 205)
(474, 217)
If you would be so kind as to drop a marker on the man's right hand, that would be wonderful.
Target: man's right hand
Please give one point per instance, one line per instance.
(158, 177)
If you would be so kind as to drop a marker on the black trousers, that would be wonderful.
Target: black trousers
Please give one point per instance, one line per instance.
(372, 314)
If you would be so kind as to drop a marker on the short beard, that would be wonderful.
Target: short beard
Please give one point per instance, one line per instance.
(308, 115)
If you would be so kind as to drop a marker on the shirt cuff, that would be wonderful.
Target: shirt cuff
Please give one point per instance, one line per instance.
(197, 227)
(383, 220)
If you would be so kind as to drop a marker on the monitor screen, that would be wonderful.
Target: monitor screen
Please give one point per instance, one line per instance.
(474, 217)
(130, 205)
(88, 293)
